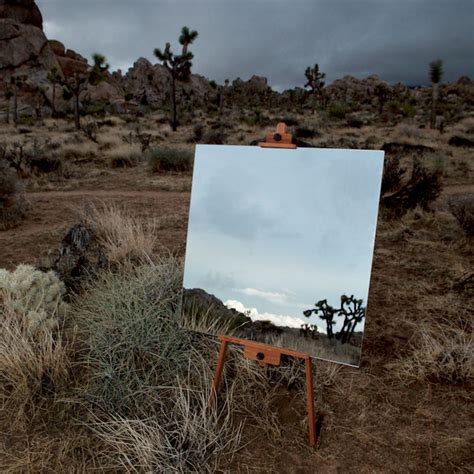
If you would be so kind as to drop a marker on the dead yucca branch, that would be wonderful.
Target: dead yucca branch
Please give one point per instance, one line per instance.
(441, 354)
(124, 237)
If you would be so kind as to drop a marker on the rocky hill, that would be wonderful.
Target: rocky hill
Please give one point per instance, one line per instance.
(26, 52)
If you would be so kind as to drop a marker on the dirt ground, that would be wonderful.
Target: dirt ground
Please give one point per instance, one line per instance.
(51, 213)
(372, 419)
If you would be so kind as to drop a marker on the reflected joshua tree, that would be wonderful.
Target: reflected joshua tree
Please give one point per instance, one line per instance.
(351, 310)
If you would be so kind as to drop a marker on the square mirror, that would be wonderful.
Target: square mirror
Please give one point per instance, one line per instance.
(280, 245)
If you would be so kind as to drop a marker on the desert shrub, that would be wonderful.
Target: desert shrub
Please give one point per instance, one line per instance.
(257, 118)
(123, 237)
(408, 110)
(393, 174)
(41, 160)
(163, 159)
(148, 380)
(304, 132)
(214, 137)
(354, 121)
(289, 120)
(12, 206)
(34, 295)
(93, 108)
(90, 130)
(423, 187)
(463, 210)
(197, 133)
(338, 111)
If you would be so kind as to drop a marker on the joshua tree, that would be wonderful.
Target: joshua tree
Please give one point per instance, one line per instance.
(436, 74)
(178, 65)
(16, 83)
(73, 86)
(353, 312)
(78, 82)
(326, 313)
(315, 81)
(8, 96)
(99, 69)
(54, 77)
(382, 92)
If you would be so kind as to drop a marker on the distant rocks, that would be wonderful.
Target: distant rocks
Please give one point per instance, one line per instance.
(200, 303)
(350, 89)
(149, 84)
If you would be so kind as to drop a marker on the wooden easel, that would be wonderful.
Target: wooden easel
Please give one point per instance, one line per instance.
(265, 354)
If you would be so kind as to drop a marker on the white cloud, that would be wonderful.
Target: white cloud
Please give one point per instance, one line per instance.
(273, 297)
(277, 319)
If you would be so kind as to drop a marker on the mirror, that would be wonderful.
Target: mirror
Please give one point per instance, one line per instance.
(280, 245)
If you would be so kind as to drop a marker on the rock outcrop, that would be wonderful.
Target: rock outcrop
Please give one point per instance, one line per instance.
(149, 84)
(24, 12)
(69, 61)
(24, 49)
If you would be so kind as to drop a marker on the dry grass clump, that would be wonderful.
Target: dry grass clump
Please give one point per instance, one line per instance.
(148, 383)
(124, 237)
(124, 156)
(442, 353)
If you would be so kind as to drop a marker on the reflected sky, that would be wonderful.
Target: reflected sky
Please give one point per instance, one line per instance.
(275, 230)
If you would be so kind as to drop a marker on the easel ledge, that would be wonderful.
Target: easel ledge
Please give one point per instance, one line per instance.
(265, 355)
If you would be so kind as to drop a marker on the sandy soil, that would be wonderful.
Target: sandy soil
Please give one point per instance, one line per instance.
(51, 213)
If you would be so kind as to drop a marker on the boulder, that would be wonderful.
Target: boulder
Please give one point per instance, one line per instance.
(57, 47)
(24, 49)
(24, 12)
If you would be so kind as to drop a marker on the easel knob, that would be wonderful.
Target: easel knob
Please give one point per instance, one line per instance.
(280, 139)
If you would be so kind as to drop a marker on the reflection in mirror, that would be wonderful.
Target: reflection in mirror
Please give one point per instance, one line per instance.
(280, 245)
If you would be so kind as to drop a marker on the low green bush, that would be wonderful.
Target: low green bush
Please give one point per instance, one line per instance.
(163, 159)
(338, 111)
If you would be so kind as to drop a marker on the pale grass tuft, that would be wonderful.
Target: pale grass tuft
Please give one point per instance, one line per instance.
(442, 354)
(124, 237)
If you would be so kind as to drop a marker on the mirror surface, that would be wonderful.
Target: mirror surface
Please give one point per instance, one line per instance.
(280, 245)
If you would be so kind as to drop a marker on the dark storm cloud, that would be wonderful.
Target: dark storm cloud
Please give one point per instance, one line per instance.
(276, 39)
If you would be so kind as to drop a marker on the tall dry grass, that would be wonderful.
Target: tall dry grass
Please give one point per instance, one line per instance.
(123, 236)
(34, 369)
(440, 353)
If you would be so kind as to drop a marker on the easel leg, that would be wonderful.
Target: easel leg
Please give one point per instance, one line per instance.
(218, 374)
(310, 401)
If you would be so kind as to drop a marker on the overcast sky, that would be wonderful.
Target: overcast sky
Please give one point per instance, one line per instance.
(274, 231)
(278, 39)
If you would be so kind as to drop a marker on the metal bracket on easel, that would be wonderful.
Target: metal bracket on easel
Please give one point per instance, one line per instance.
(267, 355)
